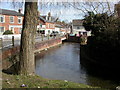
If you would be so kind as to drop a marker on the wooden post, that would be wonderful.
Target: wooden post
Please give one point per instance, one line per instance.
(1, 43)
(48, 36)
(12, 40)
(67, 36)
(42, 37)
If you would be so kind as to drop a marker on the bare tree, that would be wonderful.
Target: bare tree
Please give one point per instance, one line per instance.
(96, 7)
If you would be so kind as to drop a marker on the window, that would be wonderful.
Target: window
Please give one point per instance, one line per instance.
(11, 19)
(2, 19)
(2, 29)
(48, 31)
(48, 25)
(53, 26)
(41, 25)
(12, 29)
(20, 30)
(19, 20)
(78, 27)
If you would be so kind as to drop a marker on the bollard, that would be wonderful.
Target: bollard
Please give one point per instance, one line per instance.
(48, 36)
(1, 43)
(42, 37)
(12, 40)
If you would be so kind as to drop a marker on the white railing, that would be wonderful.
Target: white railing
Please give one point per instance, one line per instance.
(8, 37)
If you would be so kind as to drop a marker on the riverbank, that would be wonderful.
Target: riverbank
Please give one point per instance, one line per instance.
(100, 68)
(20, 81)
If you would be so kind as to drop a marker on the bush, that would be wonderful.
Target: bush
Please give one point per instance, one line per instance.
(7, 32)
(83, 40)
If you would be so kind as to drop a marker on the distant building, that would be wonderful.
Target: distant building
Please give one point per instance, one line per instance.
(58, 28)
(78, 28)
(41, 25)
(46, 24)
(11, 20)
(117, 10)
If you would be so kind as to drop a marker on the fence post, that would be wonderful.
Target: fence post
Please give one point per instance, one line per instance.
(1, 43)
(67, 36)
(48, 36)
(42, 37)
(12, 40)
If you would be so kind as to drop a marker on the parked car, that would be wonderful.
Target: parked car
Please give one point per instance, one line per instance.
(53, 33)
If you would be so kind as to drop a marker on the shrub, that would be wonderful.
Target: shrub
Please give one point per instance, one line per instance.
(7, 32)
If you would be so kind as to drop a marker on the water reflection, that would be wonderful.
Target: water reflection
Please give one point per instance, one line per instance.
(63, 63)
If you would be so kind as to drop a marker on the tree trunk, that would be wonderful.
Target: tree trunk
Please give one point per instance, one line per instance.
(27, 65)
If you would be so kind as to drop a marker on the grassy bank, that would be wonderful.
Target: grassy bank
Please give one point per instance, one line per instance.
(17, 81)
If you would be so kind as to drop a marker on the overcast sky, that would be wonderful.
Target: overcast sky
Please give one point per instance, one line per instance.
(64, 13)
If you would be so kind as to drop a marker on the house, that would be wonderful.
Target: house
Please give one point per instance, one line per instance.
(65, 29)
(62, 28)
(117, 9)
(50, 27)
(41, 27)
(78, 28)
(58, 28)
(46, 24)
(11, 20)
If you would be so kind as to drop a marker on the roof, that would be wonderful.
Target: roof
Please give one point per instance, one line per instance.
(58, 25)
(10, 12)
(49, 21)
(42, 18)
(77, 22)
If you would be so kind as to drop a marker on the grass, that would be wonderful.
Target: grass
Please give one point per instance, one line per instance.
(16, 81)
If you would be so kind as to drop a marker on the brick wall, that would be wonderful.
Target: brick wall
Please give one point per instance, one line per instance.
(50, 25)
(8, 53)
(47, 44)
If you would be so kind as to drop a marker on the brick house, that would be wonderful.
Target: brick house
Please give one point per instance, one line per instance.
(11, 20)
(46, 25)
(50, 27)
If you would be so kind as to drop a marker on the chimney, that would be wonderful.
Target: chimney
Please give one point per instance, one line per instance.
(20, 10)
(50, 18)
(46, 17)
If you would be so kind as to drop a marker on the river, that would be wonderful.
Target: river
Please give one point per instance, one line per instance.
(63, 63)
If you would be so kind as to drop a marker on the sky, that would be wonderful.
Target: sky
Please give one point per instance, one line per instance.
(66, 14)
(61, 11)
